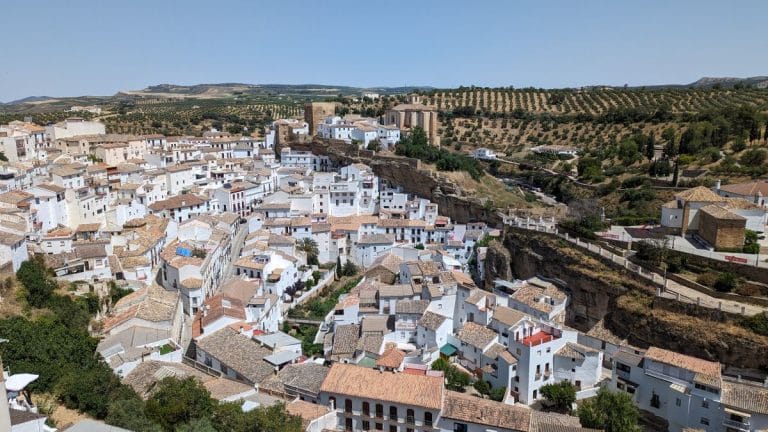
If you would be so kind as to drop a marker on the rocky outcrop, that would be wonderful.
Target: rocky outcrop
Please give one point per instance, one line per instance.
(497, 260)
(601, 290)
(409, 174)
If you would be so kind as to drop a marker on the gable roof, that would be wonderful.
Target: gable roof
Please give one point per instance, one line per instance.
(357, 381)
(472, 409)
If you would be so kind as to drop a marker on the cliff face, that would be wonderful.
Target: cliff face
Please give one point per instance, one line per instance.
(408, 174)
(627, 304)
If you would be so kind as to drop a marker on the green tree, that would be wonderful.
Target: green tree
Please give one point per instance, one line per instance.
(726, 282)
(38, 286)
(309, 247)
(374, 145)
(609, 411)
(86, 392)
(3, 157)
(482, 386)
(562, 395)
(350, 269)
(197, 425)
(498, 393)
(751, 244)
(129, 414)
(753, 157)
(339, 270)
(177, 402)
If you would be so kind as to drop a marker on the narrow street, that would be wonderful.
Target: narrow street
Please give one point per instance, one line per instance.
(237, 246)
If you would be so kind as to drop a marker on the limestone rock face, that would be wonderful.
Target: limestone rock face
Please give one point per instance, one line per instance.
(627, 304)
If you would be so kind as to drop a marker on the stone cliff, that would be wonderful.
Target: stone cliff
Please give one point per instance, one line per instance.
(412, 177)
(626, 303)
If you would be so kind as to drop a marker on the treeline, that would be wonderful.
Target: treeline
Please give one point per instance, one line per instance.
(57, 346)
(416, 146)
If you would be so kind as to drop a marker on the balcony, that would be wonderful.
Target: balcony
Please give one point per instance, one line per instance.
(740, 425)
(538, 339)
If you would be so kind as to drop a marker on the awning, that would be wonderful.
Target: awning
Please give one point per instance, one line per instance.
(679, 388)
(738, 413)
(17, 382)
(448, 350)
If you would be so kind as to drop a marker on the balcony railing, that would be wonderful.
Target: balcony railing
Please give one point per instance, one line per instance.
(735, 424)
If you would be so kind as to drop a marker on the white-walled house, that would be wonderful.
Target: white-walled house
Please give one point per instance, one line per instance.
(689, 392)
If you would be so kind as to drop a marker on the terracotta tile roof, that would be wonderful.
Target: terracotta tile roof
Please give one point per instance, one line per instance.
(357, 381)
(553, 422)
(345, 340)
(507, 316)
(398, 290)
(476, 335)
(177, 202)
(376, 239)
(239, 353)
(391, 262)
(719, 212)
(472, 409)
(392, 358)
(694, 364)
(306, 377)
(307, 411)
(431, 320)
(747, 397)
(374, 324)
(699, 194)
(574, 350)
(747, 189)
(411, 306)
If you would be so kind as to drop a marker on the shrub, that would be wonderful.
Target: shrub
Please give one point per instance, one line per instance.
(726, 282)
(482, 386)
(561, 395)
(757, 323)
(707, 279)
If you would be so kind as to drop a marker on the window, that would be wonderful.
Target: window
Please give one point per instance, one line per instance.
(332, 400)
(366, 425)
(655, 402)
(393, 413)
(366, 409)
(678, 402)
(348, 406)
(428, 419)
(459, 427)
(409, 416)
(379, 410)
(705, 404)
(392, 428)
(704, 421)
(379, 426)
(348, 425)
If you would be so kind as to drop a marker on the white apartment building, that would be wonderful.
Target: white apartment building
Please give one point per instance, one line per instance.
(689, 392)
(368, 399)
(72, 127)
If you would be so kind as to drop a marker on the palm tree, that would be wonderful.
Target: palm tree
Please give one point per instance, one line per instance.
(309, 247)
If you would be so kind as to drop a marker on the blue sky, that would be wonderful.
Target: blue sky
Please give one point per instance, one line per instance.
(78, 47)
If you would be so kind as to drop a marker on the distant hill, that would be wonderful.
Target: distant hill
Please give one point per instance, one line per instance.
(222, 90)
(727, 82)
(29, 99)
